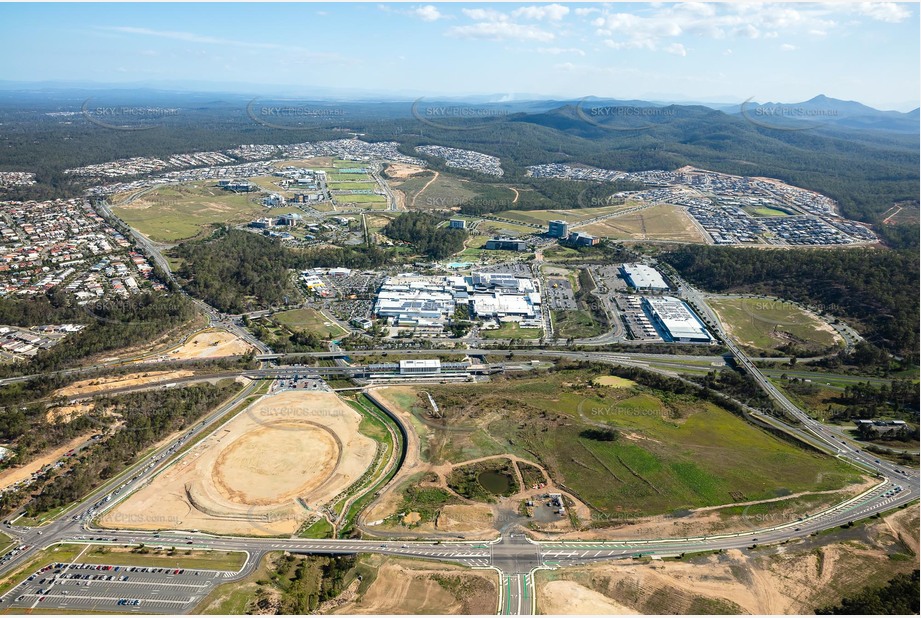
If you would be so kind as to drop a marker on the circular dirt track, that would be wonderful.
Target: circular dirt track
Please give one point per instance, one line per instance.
(265, 472)
(276, 467)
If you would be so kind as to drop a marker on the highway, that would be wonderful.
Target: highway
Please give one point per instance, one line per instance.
(512, 554)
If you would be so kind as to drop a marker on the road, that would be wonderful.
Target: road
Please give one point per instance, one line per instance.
(215, 317)
(513, 555)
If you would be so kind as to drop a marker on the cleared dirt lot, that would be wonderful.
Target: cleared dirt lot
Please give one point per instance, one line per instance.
(210, 344)
(789, 579)
(401, 171)
(421, 587)
(255, 474)
(662, 222)
(11, 476)
(94, 385)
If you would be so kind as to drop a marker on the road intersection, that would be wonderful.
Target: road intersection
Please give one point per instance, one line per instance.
(515, 556)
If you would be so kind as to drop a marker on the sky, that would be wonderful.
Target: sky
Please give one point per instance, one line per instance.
(779, 52)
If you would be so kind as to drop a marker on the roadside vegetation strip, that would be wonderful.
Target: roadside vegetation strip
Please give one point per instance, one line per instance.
(394, 458)
(260, 389)
(178, 557)
(59, 552)
(43, 517)
(5, 543)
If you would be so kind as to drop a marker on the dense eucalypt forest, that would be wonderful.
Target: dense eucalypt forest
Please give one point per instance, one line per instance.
(877, 288)
(145, 418)
(866, 171)
(421, 231)
(109, 324)
(238, 271)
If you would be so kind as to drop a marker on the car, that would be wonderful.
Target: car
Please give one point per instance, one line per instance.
(188, 542)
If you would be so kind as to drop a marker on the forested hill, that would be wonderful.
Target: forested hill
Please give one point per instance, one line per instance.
(879, 288)
(866, 171)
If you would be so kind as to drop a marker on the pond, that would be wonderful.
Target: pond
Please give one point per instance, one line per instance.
(494, 482)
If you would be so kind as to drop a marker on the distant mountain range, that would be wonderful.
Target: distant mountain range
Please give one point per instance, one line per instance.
(823, 110)
(820, 110)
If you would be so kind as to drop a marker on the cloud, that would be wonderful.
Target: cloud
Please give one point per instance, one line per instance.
(659, 25)
(787, 47)
(484, 15)
(550, 12)
(427, 13)
(884, 11)
(560, 50)
(677, 49)
(500, 31)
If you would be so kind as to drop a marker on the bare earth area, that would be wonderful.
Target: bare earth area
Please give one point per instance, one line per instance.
(94, 385)
(566, 597)
(11, 476)
(402, 171)
(256, 474)
(210, 344)
(421, 587)
(795, 578)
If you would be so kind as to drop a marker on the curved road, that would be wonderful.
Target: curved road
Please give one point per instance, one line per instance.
(514, 555)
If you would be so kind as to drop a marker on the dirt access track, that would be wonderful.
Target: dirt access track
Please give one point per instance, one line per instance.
(265, 472)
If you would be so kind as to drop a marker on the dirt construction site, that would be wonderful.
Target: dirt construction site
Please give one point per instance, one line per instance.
(211, 343)
(265, 472)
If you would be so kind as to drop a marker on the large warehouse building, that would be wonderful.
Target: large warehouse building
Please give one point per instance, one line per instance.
(642, 277)
(675, 321)
(425, 301)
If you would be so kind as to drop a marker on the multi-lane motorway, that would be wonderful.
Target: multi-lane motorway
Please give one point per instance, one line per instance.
(513, 555)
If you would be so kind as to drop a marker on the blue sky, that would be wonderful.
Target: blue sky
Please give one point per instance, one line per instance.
(711, 52)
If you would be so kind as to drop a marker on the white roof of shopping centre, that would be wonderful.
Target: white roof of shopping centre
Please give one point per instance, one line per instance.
(641, 276)
(676, 317)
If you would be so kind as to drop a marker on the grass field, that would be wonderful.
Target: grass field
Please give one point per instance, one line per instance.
(541, 217)
(450, 191)
(672, 452)
(511, 330)
(765, 211)
(769, 324)
(352, 186)
(663, 222)
(170, 214)
(362, 200)
(180, 558)
(445, 192)
(310, 321)
(488, 226)
(575, 323)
